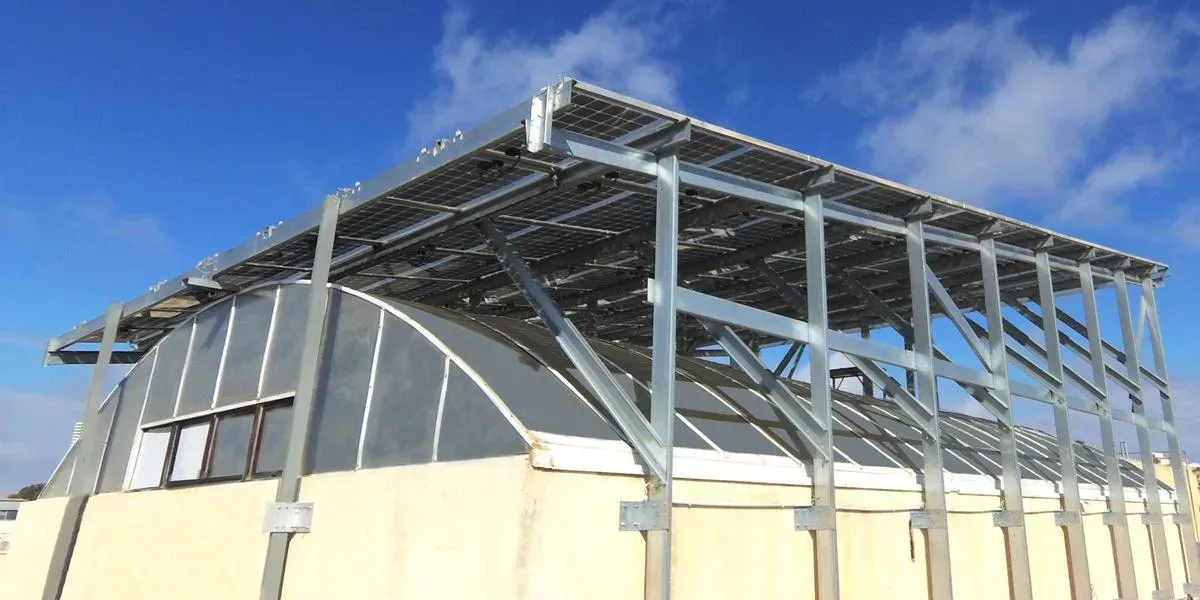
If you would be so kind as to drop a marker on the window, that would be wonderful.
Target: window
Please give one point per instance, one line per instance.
(8, 515)
(233, 445)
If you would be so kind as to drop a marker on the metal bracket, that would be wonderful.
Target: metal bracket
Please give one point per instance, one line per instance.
(541, 116)
(288, 517)
(1109, 519)
(1162, 595)
(815, 518)
(928, 519)
(644, 515)
(1008, 518)
(1149, 519)
(1067, 518)
(1191, 588)
(1179, 519)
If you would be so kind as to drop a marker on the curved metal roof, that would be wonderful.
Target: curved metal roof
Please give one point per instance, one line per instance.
(388, 366)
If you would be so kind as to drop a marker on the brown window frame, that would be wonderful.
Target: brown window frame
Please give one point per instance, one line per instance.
(249, 464)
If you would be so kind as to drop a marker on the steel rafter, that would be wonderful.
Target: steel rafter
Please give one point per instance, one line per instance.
(1119, 524)
(1183, 483)
(1158, 534)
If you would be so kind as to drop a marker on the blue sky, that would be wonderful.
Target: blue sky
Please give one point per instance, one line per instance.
(137, 138)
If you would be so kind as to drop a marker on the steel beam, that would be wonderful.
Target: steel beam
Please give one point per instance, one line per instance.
(1020, 577)
(951, 310)
(811, 429)
(87, 461)
(1081, 583)
(90, 357)
(1130, 383)
(1133, 367)
(627, 418)
(876, 305)
(828, 587)
(1183, 483)
(792, 353)
(933, 481)
(288, 489)
(1119, 524)
(623, 157)
(662, 386)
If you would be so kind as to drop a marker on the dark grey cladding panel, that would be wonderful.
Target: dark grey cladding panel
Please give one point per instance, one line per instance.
(538, 399)
(129, 399)
(59, 480)
(404, 402)
(164, 386)
(247, 345)
(725, 428)
(472, 426)
(342, 382)
(204, 361)
(283, 355)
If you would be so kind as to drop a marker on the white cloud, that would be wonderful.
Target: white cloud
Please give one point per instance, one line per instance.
(1096, 200)
(98, 215)
(980, 112)
(35, 430)
(479, 75)
(1185, 229)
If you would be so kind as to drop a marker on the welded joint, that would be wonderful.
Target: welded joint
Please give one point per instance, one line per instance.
(674, 136)
(921, 210)
(816, 518)
(928, 519)
(644, 515)
(1008, 518)
(1068, 518)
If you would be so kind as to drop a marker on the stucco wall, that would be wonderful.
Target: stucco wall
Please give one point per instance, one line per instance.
(23, 569)
(499, 529)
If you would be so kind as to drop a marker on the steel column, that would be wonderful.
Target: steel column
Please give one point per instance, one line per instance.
(1020, 578)
(937, 536)
(87, 461)
(288, 489)
(821, 396)
(662, 373)
(1119, 527)
(92, 441)
(1158, 534)
(1183, 485)
(1081, 583)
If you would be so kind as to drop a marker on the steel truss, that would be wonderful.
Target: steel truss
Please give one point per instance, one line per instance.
(940, 261)
(723, 320)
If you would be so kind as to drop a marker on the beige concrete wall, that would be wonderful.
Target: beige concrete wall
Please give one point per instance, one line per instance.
(499, 529)
(200, 542)
(23, 569)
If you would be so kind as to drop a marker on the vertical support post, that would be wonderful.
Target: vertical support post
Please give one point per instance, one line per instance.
(933, 479)
(1183, 486)
(87, 462)
(288, 490)
(1020, 578)
(1119, 527)
(662, 374)
(1081, 582)
(820, 395)
(1158, 535)
(868, 385)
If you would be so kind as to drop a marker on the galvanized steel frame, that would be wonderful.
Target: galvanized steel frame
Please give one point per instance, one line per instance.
(992, 388)
(653, 154)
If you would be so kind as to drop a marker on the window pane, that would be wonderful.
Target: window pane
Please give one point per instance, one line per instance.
(272, 448)
(147, 471)
(189, 456)
(231, 445)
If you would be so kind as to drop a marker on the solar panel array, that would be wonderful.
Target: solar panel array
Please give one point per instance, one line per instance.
(592, 241)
